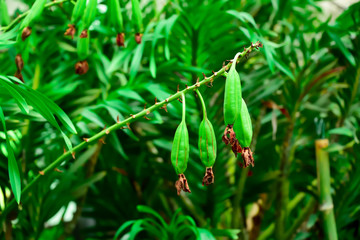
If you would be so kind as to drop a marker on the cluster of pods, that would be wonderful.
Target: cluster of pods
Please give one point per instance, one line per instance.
(83, 14)
(180, 148)
(238, 133)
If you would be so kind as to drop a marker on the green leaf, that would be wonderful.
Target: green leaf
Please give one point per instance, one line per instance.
(342, 131)
(14, 174)
(342, 47)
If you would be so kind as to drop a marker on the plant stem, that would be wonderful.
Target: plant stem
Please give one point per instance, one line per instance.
(287, 152)
(324, 186)
(18, 18)
(202, 104)
(237, 217)
(183, 108)
(123, 123)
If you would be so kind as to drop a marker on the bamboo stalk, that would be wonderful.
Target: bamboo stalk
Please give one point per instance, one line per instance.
(119, 125)
(326, 204)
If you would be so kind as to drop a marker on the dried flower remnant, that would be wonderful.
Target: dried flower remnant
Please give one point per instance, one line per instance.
(247, 157)
(182, 184)
(70, 31)
(84, 34)
(120, 39)
(19, 76)
(229, 137)
(81, 67)
(138, 37)
(19, 62)
(26, 33)
(209, 177)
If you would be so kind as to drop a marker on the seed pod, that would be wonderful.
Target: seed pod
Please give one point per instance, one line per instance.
(81, 67)
(115, 16)
(207, 144)
(89, 14)
(232, 95)
(78, 11)
(243, 127)
(243, 131)
(34, 12)
(137, 20)
(180, 152)
(180, 148)
(5, 19)
(83, 44)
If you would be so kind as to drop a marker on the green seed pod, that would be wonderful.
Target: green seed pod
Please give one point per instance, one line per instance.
(5, 19)
(207, 143)
(89, 14)
(243, 127)
(78, 11)
(180, 148)
(83, 44)
(232, 98)
(137, 20)
(115, 16)
(35, 11)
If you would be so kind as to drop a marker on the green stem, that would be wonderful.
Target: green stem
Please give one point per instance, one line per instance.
(183, 107)
(304, 214)
(324, 186)
(121, 124)
(21, 16)
(202, 104)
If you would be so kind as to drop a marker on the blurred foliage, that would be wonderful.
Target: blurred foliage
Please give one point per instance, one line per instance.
(302, 86)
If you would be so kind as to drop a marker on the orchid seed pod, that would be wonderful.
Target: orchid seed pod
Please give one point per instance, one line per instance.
(117, 21)
(207, 145)
(243, 127)
(34, 12)
(180, 152)
(83, 44)
(232, 95)
(89, 14)
(243, 131)
(78, 11)
(137, 20)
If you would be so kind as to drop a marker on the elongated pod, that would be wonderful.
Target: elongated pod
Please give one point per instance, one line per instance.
(180, 152)
(232, 95)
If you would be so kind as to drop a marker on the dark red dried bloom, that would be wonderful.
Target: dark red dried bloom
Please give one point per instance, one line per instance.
(229, 137)
(19, 62)
(138, 37)
(209, 177)
(182, 184)
(120, 39)
(25, 33)
(84, 34)
(70, 31)
(81, 67)
(247, 157)
(19, 76)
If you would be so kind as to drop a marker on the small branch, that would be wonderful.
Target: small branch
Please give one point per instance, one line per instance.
(21, 16)
(126, 122)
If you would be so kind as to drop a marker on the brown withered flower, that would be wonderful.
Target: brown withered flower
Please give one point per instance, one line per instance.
(25, 33)
(209, 177)
(182, 184)
(229, 137)
(247, 157)
(19, 76)
(19, 62)
(120, 39)
(81, 67)
(70, 31)
(138, 37)
(84, 34)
